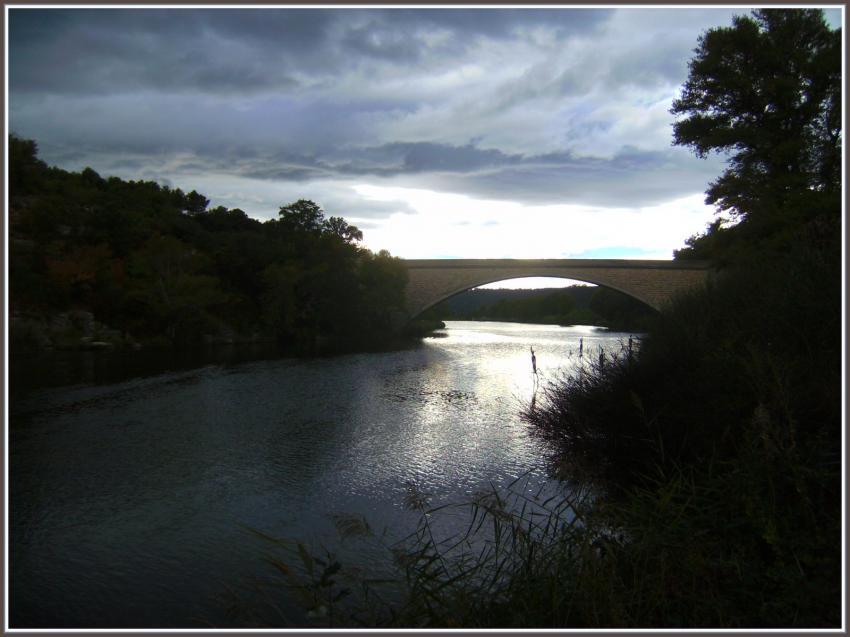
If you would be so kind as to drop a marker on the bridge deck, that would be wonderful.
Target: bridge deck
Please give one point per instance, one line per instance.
(647, 264)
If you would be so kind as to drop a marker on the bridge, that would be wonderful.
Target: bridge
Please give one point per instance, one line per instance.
(651, 281)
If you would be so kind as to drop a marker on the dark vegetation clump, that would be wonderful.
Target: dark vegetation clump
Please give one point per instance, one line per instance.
(764, 335)
(105, 262)
(717, 451)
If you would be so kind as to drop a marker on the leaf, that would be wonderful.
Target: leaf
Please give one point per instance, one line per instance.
(283, 568)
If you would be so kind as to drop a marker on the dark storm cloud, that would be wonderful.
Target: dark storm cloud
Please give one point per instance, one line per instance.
(436, 157)
(381, 41)
(536, 106)
(227, 50)
(419, 157)
(499, 23)
(109, 51)
(630, 179)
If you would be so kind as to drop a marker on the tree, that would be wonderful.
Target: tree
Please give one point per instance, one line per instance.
(90, 177)
(25, 168)
(341, 228)
(618, 310)
(195, 203)
(768, 92)
(279, 301)
(162, 264)
(383, 279)
(169, 290)
(302, 216)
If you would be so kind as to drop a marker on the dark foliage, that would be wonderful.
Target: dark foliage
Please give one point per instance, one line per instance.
(767, 91)
(159, 264)
(721, 445)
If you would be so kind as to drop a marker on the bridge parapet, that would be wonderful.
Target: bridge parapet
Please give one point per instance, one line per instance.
(651, 281)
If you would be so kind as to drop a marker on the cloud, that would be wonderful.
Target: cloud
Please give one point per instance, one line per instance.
(259, 107)
(84, 51)
(108, 51)
(313, 80)
(632, 177)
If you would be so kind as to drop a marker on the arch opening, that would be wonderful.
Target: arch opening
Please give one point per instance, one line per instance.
(532, 283)
(542, 299)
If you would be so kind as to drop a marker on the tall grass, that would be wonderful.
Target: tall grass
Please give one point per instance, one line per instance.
(718, 450)
(506, 567)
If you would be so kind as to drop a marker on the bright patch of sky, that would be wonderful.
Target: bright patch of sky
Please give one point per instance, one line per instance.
(457, 226)
(534, 283)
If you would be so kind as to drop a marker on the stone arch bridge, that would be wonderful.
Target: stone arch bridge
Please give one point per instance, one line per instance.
(651, 281)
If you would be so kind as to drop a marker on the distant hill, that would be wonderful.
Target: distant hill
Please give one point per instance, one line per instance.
(575, 305)
(472, 300)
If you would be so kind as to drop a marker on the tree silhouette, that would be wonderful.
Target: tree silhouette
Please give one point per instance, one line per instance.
(768, 92)
(157, 263)
(341, 228)
(302, 216)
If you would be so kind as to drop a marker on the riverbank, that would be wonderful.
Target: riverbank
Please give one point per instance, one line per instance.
(85, 361)
(78, 330)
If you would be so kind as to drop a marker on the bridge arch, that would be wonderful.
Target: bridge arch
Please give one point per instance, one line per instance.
(652, 282)
(548, 276)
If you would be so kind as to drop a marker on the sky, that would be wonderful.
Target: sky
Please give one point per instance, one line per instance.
(439, 132)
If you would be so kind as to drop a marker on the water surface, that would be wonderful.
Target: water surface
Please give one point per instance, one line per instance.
(129, 500)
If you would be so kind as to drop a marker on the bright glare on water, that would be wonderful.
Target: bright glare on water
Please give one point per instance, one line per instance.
(129, 501)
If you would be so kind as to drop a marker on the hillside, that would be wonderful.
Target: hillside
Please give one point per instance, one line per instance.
(574, 305)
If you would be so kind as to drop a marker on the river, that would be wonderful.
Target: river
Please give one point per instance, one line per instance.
(131, 500)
